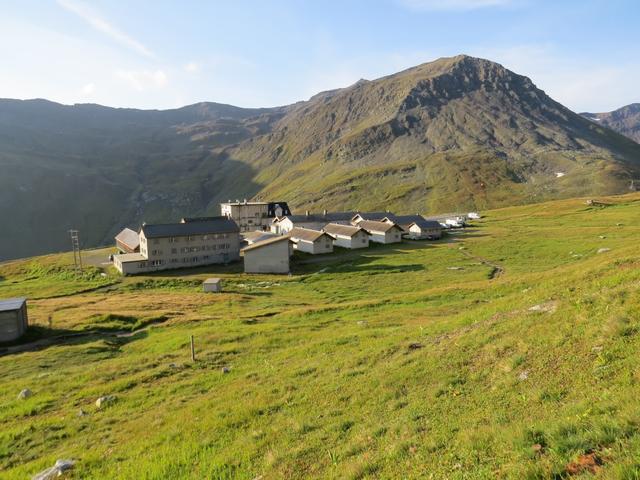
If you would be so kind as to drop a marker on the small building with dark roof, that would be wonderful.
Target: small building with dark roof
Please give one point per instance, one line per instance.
(311, 241)
(416, 227)
(347, 236)
(268, 256)
(13, 319)
(372, 216)
(128, 241)
(192, 242)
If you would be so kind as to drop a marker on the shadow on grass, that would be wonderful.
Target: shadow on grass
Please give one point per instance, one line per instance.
(115, 330)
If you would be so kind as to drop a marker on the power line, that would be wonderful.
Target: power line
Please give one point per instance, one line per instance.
(75, 245)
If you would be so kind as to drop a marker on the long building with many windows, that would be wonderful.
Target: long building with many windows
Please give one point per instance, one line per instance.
(192, 242)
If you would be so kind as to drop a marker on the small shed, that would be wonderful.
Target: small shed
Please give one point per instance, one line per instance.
(13, 319)
(212, 285)
(268, 256)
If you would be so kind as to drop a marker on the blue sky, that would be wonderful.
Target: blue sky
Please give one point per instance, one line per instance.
(164, 54)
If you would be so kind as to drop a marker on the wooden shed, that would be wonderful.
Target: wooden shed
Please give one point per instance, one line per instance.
(212, 285)
(13, 319)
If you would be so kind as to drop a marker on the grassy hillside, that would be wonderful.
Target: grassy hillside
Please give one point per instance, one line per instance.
(458, 132)
(509, 350)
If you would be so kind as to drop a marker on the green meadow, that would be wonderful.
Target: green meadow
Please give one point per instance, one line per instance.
(509, 350)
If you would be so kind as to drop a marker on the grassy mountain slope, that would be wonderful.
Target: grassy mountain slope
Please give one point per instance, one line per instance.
(99, 169)
(460, 132)
(625, 120)
(519, 363)
(457, 133)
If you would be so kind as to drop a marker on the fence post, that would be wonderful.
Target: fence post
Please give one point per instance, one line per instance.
(193, 350)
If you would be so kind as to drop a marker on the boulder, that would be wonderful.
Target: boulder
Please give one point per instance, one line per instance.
(603, 250)
(226, 369)
(25, 393)
(58, 469)
(105, 400)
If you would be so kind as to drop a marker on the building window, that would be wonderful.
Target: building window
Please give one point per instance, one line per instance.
(156, 241)
(173, 239)
(174, 260)
(205, 237)
(174, 251)
(194, 259)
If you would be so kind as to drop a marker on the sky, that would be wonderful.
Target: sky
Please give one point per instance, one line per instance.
(260, 53)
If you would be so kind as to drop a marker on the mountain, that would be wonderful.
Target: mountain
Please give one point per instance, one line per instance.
(457, 133)
(97, 168)
(625, 120)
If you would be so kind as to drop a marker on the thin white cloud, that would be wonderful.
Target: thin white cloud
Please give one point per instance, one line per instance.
(581, 83)
(192, 67)
(103, 26)
(88, 89)
(459, 5)
(142, 80)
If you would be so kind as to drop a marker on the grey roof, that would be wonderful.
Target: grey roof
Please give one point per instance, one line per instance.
(257, 236)
(307, 234)
(373, 215)
(129, 237)
(198, 227)
(211, 281)
(131, 257)
(11, 304)
(344, 230)
(424, 224)
(264, 243)
(320, 217)
(373, 226)
(403, 219)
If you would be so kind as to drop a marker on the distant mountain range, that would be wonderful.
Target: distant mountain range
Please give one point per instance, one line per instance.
(455, 134)
(625, 120)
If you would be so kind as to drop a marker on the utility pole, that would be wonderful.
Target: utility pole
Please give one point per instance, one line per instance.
(75, 245)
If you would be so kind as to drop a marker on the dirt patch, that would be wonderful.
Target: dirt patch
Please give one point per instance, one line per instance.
(585, 463)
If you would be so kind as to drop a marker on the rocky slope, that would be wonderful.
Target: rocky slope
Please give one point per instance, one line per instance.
(625, 120)
(457, 133)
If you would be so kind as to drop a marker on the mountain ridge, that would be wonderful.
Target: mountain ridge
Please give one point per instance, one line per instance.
(456, 133)
(624, 120)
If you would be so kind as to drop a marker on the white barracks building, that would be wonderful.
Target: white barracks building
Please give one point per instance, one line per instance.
(252, 216)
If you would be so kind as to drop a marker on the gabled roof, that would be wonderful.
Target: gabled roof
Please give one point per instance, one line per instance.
(405, 221)
(319, 217)
(373, 226)
(257, 236)
(264, 243)
(12, 304)
(129, 237)
(426, 224)
(344, 230)
(195, 227)
(298, 233)
(371, 215)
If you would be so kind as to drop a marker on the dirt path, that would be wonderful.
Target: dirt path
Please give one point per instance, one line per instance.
(497, 270)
